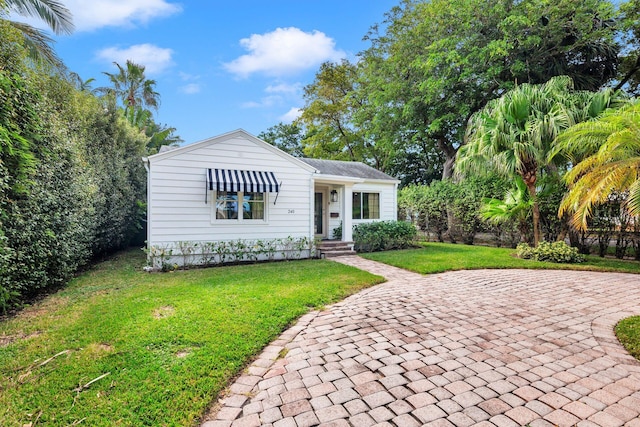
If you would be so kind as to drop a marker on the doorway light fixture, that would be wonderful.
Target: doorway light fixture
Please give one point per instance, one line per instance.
(334, 196)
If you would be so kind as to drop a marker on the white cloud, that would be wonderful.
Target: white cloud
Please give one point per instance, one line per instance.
(94, 14)
(188, 77)
(155, 59)
(284, 51)
(267, 101)
(291, 115)
(287, 89)
(190, 88)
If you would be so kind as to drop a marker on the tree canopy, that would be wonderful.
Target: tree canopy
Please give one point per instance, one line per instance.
(432, 64)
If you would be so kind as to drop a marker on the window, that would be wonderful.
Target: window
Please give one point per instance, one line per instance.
(366, 206)
(227, 205)
(253, 206)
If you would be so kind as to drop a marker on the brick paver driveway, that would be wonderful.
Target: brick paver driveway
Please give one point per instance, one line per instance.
(485, 347)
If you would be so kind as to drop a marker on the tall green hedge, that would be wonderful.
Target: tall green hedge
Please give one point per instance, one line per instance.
(71, 178)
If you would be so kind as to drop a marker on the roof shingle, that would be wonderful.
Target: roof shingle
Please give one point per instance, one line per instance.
(342, 168)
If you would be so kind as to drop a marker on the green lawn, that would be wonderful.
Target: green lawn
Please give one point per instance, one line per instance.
(628, 332)
(439, 257)
(168, 342)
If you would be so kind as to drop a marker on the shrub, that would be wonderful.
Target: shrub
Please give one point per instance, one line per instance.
(182, 254)
(553, 252)
(383, 235)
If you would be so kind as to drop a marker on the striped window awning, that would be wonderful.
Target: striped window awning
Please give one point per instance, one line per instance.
(245, 181)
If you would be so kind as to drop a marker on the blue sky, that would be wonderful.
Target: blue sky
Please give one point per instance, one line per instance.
(219, 65)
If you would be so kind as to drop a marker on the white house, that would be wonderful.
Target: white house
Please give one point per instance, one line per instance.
(235, 193)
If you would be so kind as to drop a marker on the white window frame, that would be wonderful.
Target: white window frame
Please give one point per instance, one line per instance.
(240, 219)
(362, 208)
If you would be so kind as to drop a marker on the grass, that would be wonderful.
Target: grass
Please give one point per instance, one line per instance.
(161, 346)
(440, 257)
(628, 332)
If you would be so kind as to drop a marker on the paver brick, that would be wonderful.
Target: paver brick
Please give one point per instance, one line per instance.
(306, 419)
(362, 419)
(429, 413)
(494, 406)
(560, 417)
(521, 415)
(381, 414)
(378, 399)
(331, 413)
(461, 348)
(460, 420)
(343, 395)
(252, 420)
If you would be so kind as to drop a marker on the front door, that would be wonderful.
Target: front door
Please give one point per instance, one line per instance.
(318, 217)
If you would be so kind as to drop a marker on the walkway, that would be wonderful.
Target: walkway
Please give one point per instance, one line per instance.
(485, 347)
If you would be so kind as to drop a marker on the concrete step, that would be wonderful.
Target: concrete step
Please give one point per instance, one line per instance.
(324, 244)
(334, 248)
(331, 254)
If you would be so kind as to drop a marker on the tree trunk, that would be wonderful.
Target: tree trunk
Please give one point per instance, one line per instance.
(531, 186)
(449, 157)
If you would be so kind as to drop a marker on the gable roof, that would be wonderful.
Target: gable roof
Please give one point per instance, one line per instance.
(347, 169)
(241, 133)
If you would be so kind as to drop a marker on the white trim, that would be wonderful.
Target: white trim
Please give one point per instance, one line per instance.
(333, 179)
(240, 220)
(337, 179)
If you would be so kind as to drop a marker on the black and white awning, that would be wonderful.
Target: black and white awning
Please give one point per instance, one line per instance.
(245, 181)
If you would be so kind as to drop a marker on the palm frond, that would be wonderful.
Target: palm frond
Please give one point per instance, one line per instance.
(52, 12)
(38, 44)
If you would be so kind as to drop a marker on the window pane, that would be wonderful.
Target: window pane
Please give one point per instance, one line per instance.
(253, 206)
(357, 206)
(365, 205)
(227, 205)
(371, 206)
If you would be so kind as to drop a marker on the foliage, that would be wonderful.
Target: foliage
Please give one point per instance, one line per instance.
(37, 42)
(440, 257)
(449, 209)
(552, 252)
(184, 254)
(606, 154)
(131, 87)
(160, 135)
(629, 79)
(18, 127)
(513, 211)
(432, 65)
(383, 235)
(327, 114)
(170, 342)
(78, 197)
(514, 135)
(287, 137)
(72, 186)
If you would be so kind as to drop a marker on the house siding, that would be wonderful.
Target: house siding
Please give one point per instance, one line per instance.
(388, 203)
(177, 209)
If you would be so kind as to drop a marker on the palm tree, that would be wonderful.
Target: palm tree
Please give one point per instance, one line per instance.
(606, 154)
(82, 85)
(513, 135)
(38, 43)
(132, 87)
(515, 208)
(160, 135)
